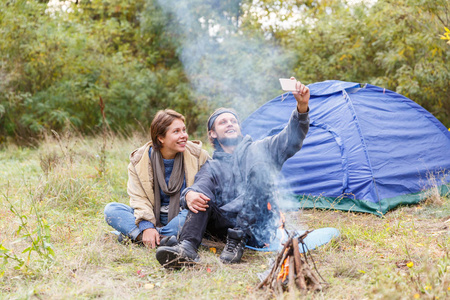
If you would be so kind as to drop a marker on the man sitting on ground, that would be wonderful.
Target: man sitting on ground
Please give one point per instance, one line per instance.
(234, 193)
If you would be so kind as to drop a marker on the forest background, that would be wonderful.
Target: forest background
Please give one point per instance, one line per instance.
(58, 59)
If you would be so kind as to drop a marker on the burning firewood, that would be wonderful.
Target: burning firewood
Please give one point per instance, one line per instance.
(291, 269)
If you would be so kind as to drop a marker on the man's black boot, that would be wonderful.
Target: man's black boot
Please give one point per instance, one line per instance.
(234, 248)
(168, 241)
(182, 254)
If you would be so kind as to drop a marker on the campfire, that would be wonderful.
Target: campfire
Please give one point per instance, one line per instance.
(291, 269)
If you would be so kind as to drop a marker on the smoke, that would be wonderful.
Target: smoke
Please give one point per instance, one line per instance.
(226, 64)
(230, 66)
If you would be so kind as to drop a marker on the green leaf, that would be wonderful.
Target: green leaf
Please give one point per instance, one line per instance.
(29, 249)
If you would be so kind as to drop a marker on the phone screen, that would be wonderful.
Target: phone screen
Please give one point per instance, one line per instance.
(287, 84)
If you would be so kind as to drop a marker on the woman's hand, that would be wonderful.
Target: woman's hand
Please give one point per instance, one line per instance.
(150, 237)
(302, 96)
(196, 201)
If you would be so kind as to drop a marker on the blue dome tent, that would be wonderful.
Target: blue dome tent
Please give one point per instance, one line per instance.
(368, 149)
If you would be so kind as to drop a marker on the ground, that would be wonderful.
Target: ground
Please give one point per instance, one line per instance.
(56, 245)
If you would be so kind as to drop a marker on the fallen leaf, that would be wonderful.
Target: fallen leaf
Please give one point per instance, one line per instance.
(149, 286)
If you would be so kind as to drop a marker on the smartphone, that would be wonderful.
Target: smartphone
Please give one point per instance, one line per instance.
(287, 84)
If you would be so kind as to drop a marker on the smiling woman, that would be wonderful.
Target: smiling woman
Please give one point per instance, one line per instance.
(174, 140)
(157, 173)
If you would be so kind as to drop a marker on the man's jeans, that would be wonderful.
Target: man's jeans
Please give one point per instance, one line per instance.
(121, 218)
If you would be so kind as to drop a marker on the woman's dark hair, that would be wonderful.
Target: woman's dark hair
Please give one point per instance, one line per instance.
(161, 123)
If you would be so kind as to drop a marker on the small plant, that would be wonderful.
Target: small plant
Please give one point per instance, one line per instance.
(37, 238)
(8, 255)
(48, 161)
(102, 167)
(435, 192)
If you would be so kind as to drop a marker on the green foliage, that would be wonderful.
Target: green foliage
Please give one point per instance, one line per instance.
(57, 64)
(393, 44)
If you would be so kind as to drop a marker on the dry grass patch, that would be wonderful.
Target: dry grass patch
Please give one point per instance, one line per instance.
(403, 255)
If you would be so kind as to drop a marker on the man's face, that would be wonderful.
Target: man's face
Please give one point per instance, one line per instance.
(226, 129)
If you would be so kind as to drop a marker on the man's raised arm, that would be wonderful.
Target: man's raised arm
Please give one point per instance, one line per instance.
(289, 141)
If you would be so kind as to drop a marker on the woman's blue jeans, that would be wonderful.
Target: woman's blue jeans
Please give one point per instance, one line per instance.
(121, 218)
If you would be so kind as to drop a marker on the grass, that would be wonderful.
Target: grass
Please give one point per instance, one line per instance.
(404, 255)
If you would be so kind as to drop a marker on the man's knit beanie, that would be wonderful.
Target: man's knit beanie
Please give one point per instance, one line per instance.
(217, 113)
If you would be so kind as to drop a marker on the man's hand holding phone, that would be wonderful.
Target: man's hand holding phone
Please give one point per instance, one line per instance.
(299, 90)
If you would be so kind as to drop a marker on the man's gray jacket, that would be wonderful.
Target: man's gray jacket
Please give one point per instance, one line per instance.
(224, 178)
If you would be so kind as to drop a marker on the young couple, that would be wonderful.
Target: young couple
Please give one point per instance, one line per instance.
(232, 196)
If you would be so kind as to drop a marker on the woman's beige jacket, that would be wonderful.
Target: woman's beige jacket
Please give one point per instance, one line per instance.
(140, 177)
